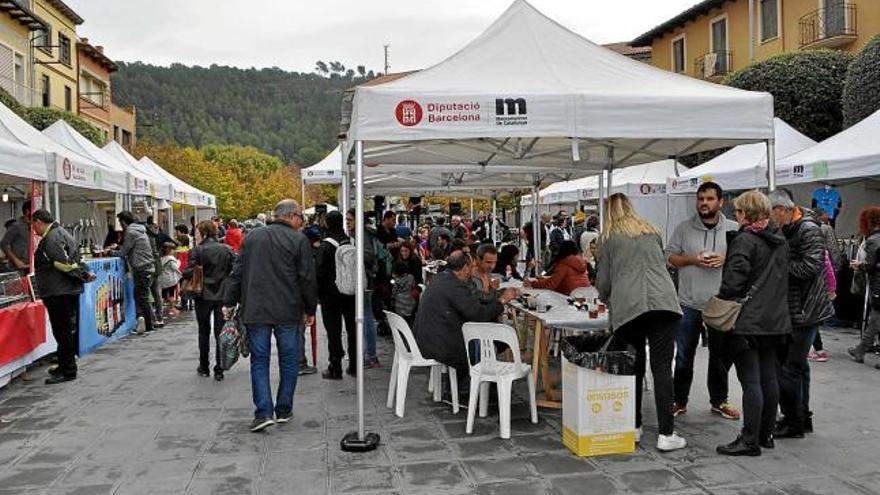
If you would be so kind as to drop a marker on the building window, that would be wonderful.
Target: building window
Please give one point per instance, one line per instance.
(769, 19)
(126, 138)
(68, 99)
(718, 63)
(116, 133)
(63, 49)
(678, 55)
(20, 79)
(47, 100)
(92, 89)
(43, 40)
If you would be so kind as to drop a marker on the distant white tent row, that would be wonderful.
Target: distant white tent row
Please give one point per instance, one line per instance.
(80, 169)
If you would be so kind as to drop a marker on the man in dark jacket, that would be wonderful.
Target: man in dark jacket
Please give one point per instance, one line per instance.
(274, 280)
(157, 240)
(137, 252)
(370, 265)
(55, 261)
(335, 306)
(809, 305)
(448, 303)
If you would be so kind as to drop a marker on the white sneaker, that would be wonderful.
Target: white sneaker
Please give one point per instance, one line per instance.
(668, 443)
(638, 434)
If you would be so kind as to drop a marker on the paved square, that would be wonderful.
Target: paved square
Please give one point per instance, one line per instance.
(140, 421)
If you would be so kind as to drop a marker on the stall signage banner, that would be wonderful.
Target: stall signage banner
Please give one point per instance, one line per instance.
(22, 329)
(72, 173)
(142, 186)
(106, 306)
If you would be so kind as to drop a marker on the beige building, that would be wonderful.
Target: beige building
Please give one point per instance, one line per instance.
(712, 39)
(17, 26)
(56, 61)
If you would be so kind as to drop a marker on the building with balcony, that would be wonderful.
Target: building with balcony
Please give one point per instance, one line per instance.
(712, 39)
(18, 23)
(94, 86)
(55, 59)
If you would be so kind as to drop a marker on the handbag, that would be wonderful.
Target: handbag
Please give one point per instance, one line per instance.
(193, 287)
(721, 314)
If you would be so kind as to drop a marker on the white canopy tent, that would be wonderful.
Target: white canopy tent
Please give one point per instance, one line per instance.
(182, 192)
(157, 185)
(90, 178)
(530, 94)
(137, 182)
(327, 171)
(743, 167)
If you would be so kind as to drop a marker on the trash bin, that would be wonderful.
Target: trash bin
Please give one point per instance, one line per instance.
(598, 396)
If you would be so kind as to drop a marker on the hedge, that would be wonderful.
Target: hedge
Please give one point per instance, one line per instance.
(861, 91)
(806, 88)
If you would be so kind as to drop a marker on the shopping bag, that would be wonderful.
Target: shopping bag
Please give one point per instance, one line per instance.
(229, 342)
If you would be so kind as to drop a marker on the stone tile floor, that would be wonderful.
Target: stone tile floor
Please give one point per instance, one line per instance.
(140, 421)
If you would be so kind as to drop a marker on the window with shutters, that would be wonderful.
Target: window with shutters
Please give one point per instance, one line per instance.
(68, 99)
(7, 69)
(64, 49)
(20, 80)
(769, 20)
(678, 54)
(43, 40)
(47, 98)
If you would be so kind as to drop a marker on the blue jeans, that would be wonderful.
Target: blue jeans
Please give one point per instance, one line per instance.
(686, 341)
(794, 377)
(287, 340)
(369, 327)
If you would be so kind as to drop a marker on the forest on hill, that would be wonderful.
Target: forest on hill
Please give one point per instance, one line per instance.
(292, 115)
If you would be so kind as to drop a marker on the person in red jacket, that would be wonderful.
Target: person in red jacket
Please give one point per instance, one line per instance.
(233, 236)
(568, 271)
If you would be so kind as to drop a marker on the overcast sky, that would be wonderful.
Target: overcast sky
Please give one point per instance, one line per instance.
(293, 34)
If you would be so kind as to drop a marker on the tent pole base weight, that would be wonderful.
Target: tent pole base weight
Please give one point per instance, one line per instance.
(351, 443)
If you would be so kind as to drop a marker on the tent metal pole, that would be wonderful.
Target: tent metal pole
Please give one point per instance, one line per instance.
(536, 228)
(771, 164)
(302, 188)
(361, 283)
(601, 208)
(494, 216)
(346, 181)
(57, 203)
(472, 208)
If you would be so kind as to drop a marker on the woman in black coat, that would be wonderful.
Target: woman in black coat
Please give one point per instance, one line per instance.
(216, 260)
(756, 270)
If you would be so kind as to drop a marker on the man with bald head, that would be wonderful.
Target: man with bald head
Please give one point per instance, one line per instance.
(274, 280)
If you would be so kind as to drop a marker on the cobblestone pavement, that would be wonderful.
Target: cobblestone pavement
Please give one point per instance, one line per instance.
(139, 420)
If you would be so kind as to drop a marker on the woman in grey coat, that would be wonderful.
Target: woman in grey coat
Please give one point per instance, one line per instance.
(634, 282)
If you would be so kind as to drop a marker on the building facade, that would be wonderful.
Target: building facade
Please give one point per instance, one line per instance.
(18, 23)
(94, 86)
(711, 39)
(123, 124)
(56, 62)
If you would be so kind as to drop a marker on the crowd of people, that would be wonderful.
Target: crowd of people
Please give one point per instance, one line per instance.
(276, 272)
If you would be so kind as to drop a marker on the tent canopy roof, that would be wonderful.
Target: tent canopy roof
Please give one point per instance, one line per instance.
(161, 186)
(526, 86)
(743, 167)
(183, 192)
(622, 180)
(852, 153)
(327, 171)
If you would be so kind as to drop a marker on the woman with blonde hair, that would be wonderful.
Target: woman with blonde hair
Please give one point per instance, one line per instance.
(755, 273)
(633, 280)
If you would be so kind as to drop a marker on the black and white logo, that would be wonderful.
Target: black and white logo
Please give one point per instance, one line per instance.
(510, 111)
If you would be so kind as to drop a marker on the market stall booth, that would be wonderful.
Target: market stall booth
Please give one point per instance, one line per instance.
(81, 191)
(25, 333)
(156, 189)
(202, 205)
(530, 94)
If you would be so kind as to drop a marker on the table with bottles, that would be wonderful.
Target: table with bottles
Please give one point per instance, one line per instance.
(106, 308)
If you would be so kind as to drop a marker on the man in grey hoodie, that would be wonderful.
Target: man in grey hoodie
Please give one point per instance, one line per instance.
(697, 248)
(137, 252)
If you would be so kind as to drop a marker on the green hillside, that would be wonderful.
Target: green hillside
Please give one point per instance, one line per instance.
(294, 116)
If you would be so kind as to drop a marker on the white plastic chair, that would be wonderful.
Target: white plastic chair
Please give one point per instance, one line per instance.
(489, 369)
(406, 356)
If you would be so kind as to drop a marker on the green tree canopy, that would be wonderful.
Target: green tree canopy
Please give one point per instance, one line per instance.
(806, 88)
(861, 91)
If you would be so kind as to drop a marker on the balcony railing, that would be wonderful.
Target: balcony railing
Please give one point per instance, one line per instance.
(835, 25)
(713, 65)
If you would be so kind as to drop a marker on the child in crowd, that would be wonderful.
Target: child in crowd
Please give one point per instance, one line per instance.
(169, 277)
(404, 286)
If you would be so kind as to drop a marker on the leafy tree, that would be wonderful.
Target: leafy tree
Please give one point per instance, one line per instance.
(861, 91)
(806, 88)
(42, 118)
(321, 67)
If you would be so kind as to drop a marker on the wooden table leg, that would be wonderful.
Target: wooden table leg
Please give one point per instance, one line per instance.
(536, 351)
(549, 393)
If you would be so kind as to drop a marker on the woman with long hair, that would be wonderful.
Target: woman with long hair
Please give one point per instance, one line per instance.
(508, 256)
(756, 271)
(216, 261)
(408, 257)
(634, 282)
(869, 227)
(568, 271)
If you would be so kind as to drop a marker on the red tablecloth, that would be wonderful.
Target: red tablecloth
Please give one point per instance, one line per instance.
(22, 329)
